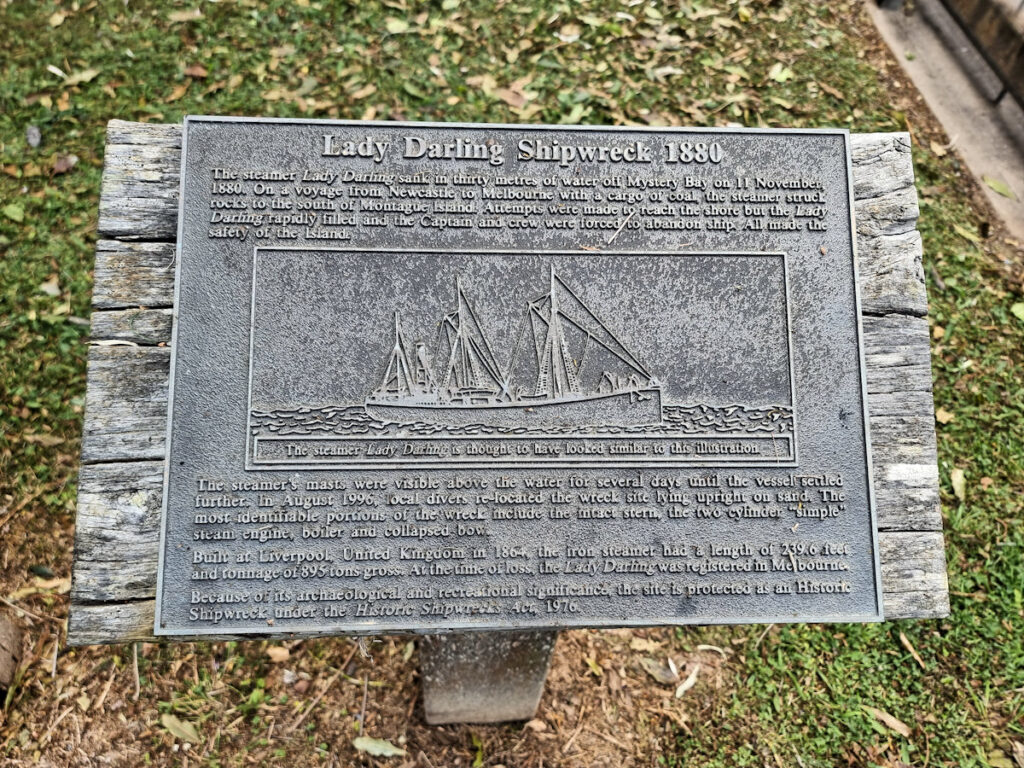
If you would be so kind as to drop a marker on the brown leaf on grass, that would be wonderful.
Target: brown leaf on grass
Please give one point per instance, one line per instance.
(57, 584)
(196, 70)
(943, 416)
(367, 90)
(959, 481)
(84, 76)
(50, 287)
(485, 83)
(179, 90)
(986, 483)
(278, 654)
(889, 721)
(937, 149)
(510, 97)
(181, 16)
(45, 439)
(833, 92)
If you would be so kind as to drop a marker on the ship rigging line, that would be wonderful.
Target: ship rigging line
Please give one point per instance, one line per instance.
(534, 313)
(631, 361)
(461, 344)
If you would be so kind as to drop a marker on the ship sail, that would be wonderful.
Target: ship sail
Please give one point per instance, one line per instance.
(401, 377)
(546, 321)
(471, 368)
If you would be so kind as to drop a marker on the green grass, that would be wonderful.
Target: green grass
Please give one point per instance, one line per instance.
(802, 692)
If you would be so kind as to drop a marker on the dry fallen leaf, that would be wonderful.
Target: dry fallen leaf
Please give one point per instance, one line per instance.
(714, 648)
(943, 416)
(959, 481)
(644, 645)
(81, 77)
(57, 584)
(999, 187)
(834, 92)
(510, 97)
(44, 439)
(179, 91)
(377, 747)
(1018, 753)
(278, 654)
(51, 287)
(189, 15)
(181, 729)
(889, 721)
(937, 149)
(196, 70)
(537, 725)
(366, 90)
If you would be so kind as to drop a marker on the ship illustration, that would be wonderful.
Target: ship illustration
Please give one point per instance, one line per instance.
(555, 377)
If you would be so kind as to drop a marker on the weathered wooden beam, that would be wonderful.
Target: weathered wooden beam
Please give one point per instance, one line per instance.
(133, 275)
(126, 403)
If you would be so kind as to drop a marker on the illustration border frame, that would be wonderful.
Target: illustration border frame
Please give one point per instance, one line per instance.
(251, 441)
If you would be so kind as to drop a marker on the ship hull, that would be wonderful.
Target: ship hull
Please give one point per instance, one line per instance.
(633, 408)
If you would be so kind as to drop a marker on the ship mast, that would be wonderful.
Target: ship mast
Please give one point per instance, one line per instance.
(546, 321)
(557, 375)
(398, 377)
(471, 363)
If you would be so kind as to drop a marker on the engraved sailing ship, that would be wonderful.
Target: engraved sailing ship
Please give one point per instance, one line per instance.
(471, 387)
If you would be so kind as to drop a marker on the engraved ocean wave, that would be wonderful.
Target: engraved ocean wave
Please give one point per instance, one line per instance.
(352, 421)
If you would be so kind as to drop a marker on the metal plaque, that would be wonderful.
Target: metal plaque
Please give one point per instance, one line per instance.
(441, 376)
